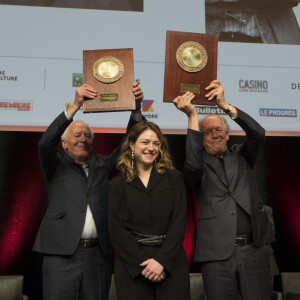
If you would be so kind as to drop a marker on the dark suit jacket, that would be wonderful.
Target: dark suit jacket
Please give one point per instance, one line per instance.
(69, 192)
(217, 195)
(158, 209)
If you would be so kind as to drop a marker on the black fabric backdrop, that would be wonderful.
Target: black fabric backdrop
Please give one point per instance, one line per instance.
(23, 199)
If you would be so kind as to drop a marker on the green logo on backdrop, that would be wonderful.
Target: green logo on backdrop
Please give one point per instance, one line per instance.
(77, 79)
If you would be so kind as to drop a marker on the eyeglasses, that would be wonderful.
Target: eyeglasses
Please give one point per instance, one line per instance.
(211, 131)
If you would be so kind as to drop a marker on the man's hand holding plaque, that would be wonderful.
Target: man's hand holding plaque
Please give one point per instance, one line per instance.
(85, 92)
(82, 93)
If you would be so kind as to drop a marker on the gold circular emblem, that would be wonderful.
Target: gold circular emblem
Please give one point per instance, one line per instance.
(108, 69)
(191, 56)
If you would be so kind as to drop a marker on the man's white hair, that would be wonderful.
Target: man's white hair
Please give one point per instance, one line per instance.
(64, 136)
(224, 122)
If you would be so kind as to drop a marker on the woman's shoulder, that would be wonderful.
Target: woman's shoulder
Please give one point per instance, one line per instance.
(174, 173)
(120, 179)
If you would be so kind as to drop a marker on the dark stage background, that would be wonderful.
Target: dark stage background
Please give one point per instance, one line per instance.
(23, 199)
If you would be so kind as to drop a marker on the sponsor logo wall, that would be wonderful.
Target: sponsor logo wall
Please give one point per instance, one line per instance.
(40, 70)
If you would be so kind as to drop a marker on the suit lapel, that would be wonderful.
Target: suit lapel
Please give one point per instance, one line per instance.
(216, 166)
(153, 180)
(91, 164)
(137, 183)
(230, 163)
(71, 160)
(91, 169)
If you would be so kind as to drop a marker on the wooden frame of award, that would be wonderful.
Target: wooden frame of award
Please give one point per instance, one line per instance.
(190, 65)
(111, 73)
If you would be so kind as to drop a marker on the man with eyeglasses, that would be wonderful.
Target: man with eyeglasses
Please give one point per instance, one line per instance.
(234, 233)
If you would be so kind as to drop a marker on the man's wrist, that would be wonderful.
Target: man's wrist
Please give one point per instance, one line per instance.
(193, 122)
(68, 116)
(192, 114)
(136, 115)
(138, 106)
(73, 109)
(228, 109)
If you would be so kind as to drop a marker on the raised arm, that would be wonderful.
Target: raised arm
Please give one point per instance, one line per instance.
(255, 135)
(193, 166)
(48, 145)
(254, 132)
(183, 103)
(83, 92)
(52, 136)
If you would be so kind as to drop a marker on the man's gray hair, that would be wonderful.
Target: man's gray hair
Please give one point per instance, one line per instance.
(64, 136)
(224, 122)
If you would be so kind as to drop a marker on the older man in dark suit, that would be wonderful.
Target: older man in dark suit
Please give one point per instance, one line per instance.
(73, 234)
(233, 227)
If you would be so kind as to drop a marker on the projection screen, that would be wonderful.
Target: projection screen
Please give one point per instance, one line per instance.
(42, 43)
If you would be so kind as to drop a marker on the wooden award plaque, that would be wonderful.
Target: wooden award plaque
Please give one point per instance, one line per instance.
(110, 72)
(190, 65)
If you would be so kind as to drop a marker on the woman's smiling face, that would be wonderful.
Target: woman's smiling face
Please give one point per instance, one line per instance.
(146, 148)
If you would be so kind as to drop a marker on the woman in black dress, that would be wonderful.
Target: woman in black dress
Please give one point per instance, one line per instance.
(147, 220)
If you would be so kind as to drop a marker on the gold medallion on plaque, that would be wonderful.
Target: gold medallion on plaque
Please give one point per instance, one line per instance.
(191, 56)
(108, 69)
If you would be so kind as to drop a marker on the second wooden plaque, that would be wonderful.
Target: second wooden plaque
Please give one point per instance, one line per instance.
(190, 65)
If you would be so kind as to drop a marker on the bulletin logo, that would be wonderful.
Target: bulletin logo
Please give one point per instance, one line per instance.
(253, 86)
(147, 107)
(77, 79)
(278, 112)
(18, 105)
(209, 110)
